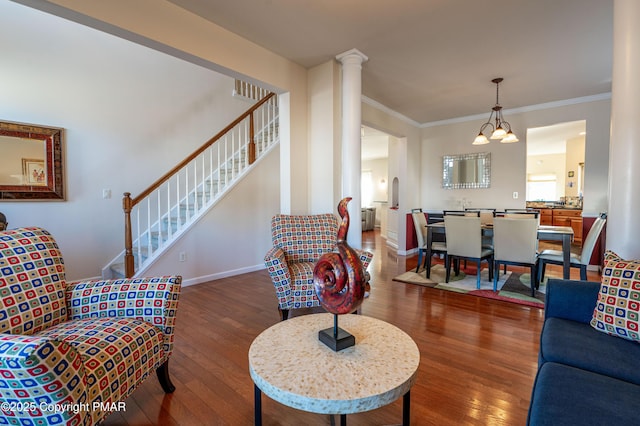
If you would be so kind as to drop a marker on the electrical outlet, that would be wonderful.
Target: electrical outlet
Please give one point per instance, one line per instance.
(515, 195)
(182, 256)
(106, 194)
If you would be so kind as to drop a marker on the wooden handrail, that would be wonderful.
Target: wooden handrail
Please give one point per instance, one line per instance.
(156, 184)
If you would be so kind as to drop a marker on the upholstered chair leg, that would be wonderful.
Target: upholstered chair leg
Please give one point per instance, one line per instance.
(163, 378)
(284, 314)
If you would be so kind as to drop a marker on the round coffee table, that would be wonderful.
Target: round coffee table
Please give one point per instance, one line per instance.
(288, 363)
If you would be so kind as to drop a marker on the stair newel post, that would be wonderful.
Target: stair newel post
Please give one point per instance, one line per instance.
(129, 266)
(252, 141)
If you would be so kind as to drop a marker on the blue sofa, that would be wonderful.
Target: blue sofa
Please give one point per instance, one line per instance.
(585, 377)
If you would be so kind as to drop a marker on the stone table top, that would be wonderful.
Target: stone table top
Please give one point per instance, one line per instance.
(290, 365)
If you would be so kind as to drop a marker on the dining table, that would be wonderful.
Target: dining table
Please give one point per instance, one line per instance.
(545, 233)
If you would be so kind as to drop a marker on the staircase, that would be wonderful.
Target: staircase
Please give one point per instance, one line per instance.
(160, 215)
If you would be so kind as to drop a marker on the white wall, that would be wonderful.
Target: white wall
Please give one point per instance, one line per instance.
(234, 237)
(129, 113)
(324, 138)
(163, 26)
(403, 163)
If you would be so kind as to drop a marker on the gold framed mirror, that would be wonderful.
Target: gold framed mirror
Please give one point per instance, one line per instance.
(31, 163)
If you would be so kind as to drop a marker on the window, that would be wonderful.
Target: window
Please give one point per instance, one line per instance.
(541, 187)
(366, 186)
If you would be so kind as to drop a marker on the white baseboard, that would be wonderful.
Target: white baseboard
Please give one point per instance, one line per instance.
(219, 275)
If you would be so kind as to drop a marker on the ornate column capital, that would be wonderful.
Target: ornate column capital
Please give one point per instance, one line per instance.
(353, 56)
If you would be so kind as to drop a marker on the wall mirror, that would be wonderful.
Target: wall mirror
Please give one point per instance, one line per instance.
(466, 171)
(31, 166)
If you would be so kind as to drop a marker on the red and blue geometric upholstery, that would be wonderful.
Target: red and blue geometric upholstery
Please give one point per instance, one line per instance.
(69, 351)
(32, 282)
(298, 243)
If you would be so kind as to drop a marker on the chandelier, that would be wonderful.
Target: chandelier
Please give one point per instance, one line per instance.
(501, 129)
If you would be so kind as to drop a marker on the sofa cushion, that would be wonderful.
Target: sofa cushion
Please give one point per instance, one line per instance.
(117, 354)
(617, 310)
(577, 344)
(563, 395)
(32, 281)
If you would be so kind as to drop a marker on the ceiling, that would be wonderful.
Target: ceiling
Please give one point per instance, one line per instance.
(552, 139)
(433, 60)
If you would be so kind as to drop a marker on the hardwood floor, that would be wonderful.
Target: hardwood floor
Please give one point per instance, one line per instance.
(478, 356)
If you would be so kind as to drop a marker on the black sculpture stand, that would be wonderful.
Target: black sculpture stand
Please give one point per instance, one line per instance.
(336, 338)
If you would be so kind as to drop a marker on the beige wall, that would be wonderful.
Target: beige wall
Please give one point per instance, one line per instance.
(575, 156)
(129, 114)
(508, 172)
(177, 32)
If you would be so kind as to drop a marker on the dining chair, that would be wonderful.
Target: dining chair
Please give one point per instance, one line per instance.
(420, 223)
(486, 215)
(472, 213)
(464, 241)
(577, 260)
(515, 242)
(519, 214)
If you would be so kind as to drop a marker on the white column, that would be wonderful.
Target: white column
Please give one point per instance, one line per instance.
(623, 226)
(351, 140)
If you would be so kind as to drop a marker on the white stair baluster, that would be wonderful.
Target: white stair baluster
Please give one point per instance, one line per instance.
(169, 228)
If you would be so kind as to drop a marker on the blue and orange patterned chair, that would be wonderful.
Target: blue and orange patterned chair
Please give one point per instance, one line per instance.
(298, 243)
(72, 352)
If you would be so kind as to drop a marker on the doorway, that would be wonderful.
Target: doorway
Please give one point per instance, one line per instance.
(375, 177)
(555, 163)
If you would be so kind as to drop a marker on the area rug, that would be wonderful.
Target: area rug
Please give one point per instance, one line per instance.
(512, 287)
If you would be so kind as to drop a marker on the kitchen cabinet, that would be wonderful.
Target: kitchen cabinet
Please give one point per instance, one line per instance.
(546, 216)
(572, 218)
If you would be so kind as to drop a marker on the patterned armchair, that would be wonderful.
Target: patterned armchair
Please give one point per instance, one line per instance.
(71, 352)
(298, 242)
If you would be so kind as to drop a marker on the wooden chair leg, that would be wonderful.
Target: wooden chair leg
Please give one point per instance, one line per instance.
(496, 275)
(163, 377)
(478, 273)
(583, 272)
(448, 268)
(419, 259)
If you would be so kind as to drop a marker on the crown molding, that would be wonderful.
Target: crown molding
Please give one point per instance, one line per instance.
(383, 108)
(529, 108)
